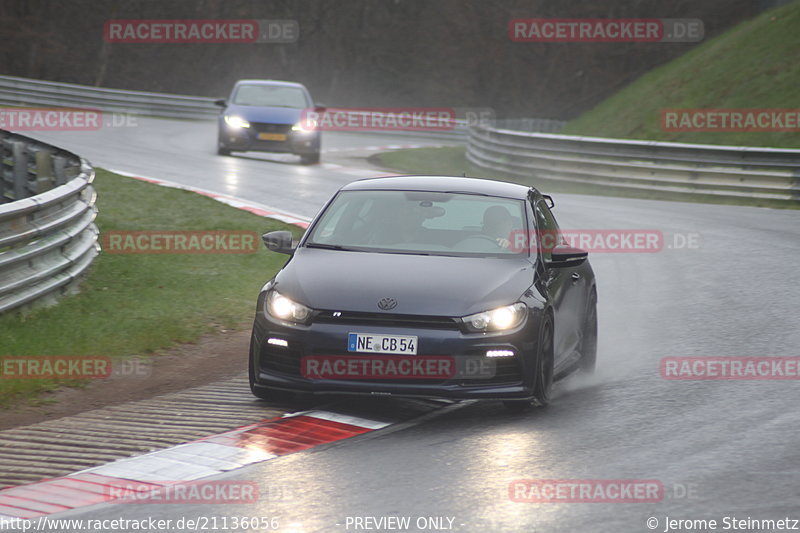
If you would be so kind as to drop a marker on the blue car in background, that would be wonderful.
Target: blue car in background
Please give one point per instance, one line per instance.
(267, 116)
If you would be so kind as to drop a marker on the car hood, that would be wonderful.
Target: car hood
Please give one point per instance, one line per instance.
(272, 115)
(422, 285)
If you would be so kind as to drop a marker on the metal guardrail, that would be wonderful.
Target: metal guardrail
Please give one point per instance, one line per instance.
(47, 239)
(24, 91)
(622, 164)
(17, 91)
(731, 171)
(539, 125)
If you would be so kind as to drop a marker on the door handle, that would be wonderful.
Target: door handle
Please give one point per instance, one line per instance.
(575, 276)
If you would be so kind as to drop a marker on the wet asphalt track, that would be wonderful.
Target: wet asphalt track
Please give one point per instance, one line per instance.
(720, 448)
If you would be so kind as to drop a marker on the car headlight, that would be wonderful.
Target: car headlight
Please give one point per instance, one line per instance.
(305, 126)
(502, 318)
(282, 308)
(235, 121)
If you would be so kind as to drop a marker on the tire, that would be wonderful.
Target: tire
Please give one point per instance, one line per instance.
(221, 150)
(589, 337)
(544, 373)
(260, 392)
(544, 370)
(309, 159)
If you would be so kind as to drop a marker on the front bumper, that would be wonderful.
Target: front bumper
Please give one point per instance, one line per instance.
(279, 367)
(246, 140)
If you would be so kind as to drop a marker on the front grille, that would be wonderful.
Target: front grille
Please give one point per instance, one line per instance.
(387, 320)
(343, 353)
(287, 361)
(264, 127)
(507, 371)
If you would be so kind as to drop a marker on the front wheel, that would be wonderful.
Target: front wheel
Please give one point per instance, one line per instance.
(589, 337)
(544, 372)
(221, 150)
(309, 159)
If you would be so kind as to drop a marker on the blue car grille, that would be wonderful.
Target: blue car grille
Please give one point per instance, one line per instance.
(263, 127)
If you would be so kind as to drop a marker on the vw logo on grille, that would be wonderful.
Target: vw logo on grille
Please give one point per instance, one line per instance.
(387, 303)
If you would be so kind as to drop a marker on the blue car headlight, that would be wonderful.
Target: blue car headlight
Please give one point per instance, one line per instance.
(236, 121)
(499, 319)
(305, 126)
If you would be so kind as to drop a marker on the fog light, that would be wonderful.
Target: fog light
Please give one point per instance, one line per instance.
(277, 342)
(499, 353)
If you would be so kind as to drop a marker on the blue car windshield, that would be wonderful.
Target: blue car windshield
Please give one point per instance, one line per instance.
(420, 222)
(270, 96)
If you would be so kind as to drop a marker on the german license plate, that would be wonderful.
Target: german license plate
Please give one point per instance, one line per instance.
(272, 136)
(372, 343)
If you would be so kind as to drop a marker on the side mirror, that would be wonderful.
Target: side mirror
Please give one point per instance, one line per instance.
(548, 200)
(566, 256)
(220, 103)
(279, 241)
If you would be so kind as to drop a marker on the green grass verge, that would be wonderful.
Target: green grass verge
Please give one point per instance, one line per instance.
(451, 161)
(753, 65)
(135, 304)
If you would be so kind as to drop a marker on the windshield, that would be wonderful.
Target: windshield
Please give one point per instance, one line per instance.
(270, 96)
(420, 222)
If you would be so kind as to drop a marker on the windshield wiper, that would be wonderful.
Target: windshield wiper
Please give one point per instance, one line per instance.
(331, 247)
(267, 105)
(403, 252)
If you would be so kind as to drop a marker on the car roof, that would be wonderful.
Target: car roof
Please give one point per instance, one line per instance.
(270, 82)
(442, 184)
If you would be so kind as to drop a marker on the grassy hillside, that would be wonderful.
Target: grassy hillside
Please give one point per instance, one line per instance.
(754, 65)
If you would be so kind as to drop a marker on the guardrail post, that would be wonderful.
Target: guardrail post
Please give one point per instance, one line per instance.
(20, 158)
(4, 175)
(60, 170)
(45, 176)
